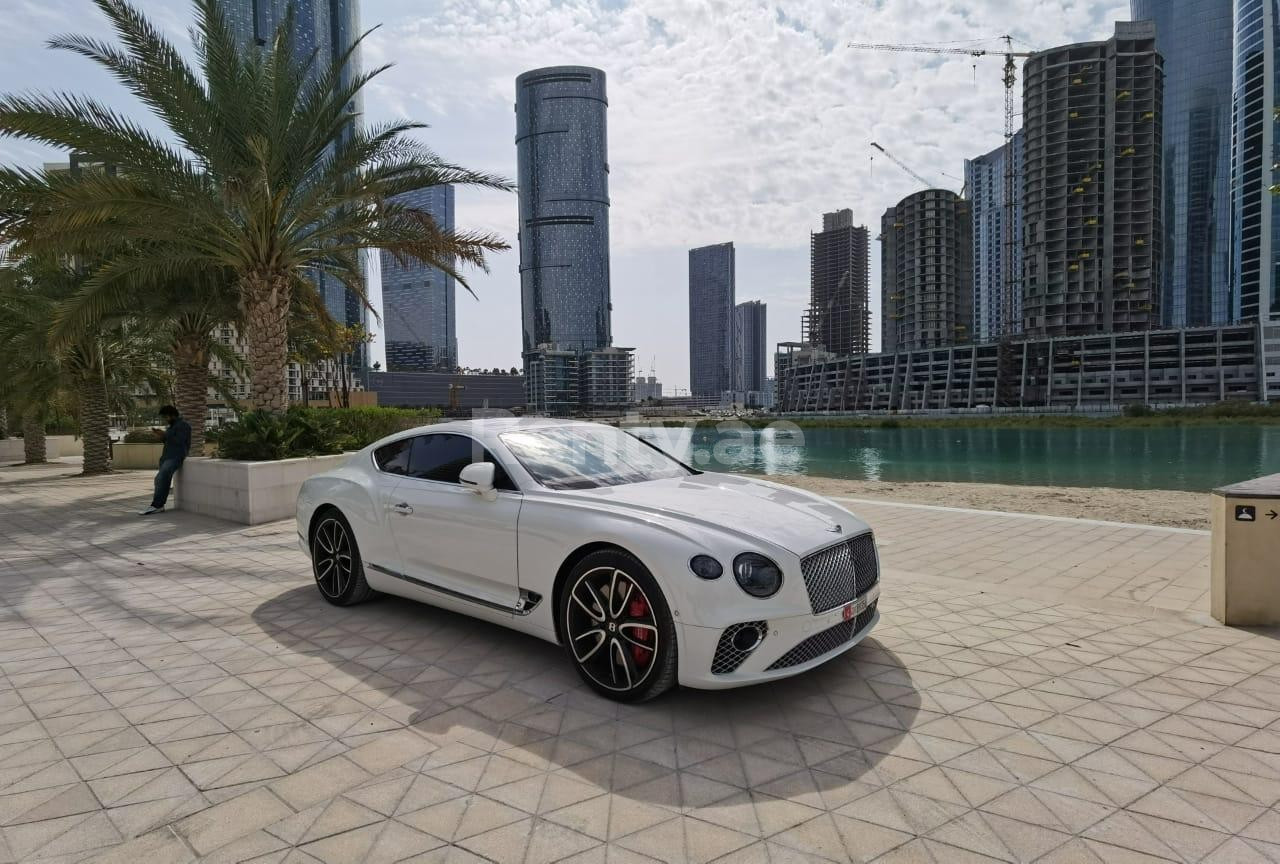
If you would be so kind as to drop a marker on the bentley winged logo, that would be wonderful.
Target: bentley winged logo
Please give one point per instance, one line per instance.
(834, 528)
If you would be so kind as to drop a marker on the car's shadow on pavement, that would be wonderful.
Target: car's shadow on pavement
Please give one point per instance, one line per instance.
(476, 688)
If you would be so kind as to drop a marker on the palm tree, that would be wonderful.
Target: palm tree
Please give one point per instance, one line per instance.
(98, 371)
(273, 176)
(184, 314)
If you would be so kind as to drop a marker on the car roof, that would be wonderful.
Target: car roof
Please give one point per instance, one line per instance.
(488, 428)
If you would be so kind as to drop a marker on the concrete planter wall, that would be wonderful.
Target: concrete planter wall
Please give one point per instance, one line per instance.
(11, 451)
(249, 493)
(145, 456)
(64, 445)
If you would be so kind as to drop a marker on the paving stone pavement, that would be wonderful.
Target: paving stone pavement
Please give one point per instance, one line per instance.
(173, 689)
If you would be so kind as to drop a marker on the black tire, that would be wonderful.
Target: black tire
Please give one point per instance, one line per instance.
(335, 560)
(628, 670)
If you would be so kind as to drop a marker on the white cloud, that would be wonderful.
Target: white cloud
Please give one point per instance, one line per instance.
(728, 120)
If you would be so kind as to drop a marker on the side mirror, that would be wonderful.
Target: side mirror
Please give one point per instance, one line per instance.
(478, 477)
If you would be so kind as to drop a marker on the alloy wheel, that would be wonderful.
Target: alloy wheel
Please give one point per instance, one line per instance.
(331, 554)
(612, 631)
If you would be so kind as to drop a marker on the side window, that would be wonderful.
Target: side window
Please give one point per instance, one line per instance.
(393, 458)
(442, 457)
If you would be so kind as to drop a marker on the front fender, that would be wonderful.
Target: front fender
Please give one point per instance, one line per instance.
(551, 531)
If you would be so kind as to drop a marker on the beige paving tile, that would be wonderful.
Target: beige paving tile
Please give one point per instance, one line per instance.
(1024, 698)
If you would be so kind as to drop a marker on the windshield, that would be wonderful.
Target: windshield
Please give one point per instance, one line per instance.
(584, 457)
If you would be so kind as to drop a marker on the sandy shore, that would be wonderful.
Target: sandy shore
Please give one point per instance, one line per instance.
(1143, 506)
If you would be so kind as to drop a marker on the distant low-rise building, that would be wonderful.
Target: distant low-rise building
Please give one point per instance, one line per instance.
(451, 392)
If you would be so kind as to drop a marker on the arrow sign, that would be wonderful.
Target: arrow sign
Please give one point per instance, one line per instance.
(1271, 514)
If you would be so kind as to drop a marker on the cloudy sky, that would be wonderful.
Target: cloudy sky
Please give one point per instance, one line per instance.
(728, 120)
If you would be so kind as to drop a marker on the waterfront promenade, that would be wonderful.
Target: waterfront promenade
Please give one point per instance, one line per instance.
(1039, 689)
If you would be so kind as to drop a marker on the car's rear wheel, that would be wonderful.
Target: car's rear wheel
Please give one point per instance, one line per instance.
(335, 560)
(617, 627)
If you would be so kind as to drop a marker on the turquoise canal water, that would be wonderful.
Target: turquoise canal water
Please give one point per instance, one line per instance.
(1193, 458)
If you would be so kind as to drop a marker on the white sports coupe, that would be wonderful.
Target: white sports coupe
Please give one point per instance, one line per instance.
(647, 571)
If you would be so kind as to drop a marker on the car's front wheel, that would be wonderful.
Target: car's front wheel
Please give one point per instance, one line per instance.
(335, 560)
(617, 627)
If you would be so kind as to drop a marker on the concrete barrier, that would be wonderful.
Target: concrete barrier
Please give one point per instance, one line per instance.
(64, 445)
(249, 493)
(11, 451)
(137, 456)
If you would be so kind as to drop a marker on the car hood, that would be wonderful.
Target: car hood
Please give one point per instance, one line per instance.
(790, 518)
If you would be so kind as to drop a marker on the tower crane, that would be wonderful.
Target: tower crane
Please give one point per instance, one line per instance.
(1007, 298)
(896, 161)
(918, 178)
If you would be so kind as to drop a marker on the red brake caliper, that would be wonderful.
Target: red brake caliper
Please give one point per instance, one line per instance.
(637, 608)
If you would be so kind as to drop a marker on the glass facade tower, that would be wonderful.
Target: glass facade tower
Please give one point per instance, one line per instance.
(712, 320)
(751, 346)
(1195, 37)
(984, 177)
(1255, 207)
(563, 173)
(418, 315)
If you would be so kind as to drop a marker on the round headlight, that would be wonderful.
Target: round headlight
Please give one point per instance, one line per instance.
(705, 567)
(757, 575)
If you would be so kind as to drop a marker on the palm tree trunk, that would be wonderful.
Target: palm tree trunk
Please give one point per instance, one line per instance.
(94, 426)
(191, 385)
(4, 422)
(33, 449)
(267, 336)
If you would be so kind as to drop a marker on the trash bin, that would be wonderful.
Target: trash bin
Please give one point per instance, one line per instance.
(1244, 574)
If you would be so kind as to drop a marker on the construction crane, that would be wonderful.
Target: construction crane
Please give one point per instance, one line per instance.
(1009, 288)
(896, 161)
(918, 178)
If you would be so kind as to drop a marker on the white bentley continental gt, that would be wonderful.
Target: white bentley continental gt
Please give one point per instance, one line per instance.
(647, 571)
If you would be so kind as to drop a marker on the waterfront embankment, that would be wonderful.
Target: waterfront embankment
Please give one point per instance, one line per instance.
(1140, 506)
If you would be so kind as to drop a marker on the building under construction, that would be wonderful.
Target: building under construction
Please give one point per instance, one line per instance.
(1092, 175)
(1162, 367)
(839, 313)
(926, 272)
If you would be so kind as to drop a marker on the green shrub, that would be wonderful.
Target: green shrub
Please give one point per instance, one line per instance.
(144, 436)
(1138, 409)
(260, 435)
(359, 427)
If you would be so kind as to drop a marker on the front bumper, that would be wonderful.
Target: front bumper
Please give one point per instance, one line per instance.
(698, 646)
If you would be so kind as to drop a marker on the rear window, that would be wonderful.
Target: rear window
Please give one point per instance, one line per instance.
(393, 458)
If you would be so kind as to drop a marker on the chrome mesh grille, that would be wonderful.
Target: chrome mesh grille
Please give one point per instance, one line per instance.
(825, 641)
(728, 658)
(836, 575)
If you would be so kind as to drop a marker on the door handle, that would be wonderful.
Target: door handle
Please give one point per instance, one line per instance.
(402, 508)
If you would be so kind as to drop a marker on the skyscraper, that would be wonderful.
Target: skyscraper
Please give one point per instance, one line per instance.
(563, 173)
(326, 28)
(563, 170)
(752, 345)
(926, 272)
(1093, 184)
(711, 320)
(1254, 154)
(839, 314)
(419, 320)
(1194, 37)
(984, 177)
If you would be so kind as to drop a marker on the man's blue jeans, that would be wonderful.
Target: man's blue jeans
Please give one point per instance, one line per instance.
(164, 477)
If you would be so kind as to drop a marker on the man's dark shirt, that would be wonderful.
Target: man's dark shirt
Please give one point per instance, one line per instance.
(177, 441)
